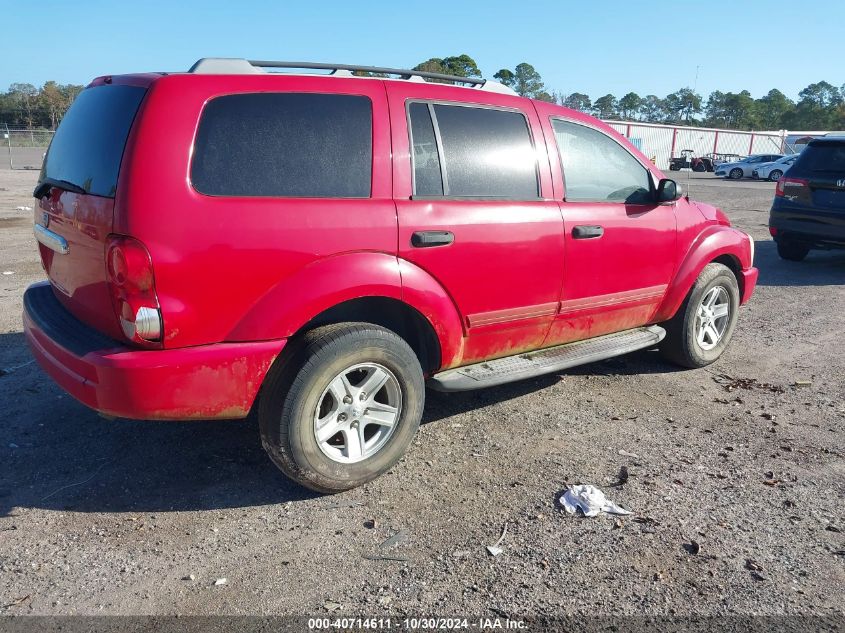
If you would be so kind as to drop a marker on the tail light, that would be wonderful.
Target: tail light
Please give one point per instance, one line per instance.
(773, 231)
(132, 285)
(792, 187)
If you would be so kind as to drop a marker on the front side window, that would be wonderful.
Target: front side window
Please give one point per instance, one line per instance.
(480, 152)
(285, 144)
(598, 169)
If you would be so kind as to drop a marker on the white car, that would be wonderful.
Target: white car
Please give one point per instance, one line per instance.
(743, 168)
(774, 170)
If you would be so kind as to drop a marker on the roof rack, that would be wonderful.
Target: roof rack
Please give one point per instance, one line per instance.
(236, 66)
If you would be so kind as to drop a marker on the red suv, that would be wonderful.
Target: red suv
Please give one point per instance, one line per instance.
(316, 247)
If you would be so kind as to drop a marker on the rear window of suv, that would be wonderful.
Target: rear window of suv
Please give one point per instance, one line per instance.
(88, 146)
(824, 157)
(286, 145)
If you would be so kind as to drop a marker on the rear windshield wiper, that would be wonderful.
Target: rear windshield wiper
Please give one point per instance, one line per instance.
(42, 187)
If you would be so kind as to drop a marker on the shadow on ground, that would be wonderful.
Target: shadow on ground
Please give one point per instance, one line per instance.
(820, 268)
(59, 455)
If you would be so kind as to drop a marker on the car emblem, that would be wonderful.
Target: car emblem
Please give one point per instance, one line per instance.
(840, 182)
(45, 218)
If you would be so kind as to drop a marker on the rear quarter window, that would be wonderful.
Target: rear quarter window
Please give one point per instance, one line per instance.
(286, 145)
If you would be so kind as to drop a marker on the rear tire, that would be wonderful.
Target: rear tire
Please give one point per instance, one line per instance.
(698, 333)
(298, 408)
(736, 173)
(791, 251)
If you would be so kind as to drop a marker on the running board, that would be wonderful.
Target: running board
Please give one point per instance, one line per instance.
(546, 361)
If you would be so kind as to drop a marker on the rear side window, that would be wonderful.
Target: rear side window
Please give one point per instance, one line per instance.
(88, 146)
(828, 157)
(598, 169)
(480, 152)
(285, 144)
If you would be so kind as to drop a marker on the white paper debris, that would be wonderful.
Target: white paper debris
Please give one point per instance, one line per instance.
(8, 272)
(590, 500)
(220, 581)
(23, 208)
(494, 549)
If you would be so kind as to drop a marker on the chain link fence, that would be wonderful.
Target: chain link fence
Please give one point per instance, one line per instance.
(24, 147)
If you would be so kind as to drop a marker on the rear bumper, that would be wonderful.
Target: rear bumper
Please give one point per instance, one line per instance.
(820, 229)
(208, 381)
(749, 283)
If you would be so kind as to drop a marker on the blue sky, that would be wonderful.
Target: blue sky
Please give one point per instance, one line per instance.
(592, 47)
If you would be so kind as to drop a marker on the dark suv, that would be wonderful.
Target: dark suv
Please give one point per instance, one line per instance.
(809, 207)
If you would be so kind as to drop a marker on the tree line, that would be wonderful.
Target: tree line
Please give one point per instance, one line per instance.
(820, 106)
(24, 105)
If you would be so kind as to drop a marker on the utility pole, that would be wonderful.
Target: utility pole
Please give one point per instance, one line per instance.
(9, 142)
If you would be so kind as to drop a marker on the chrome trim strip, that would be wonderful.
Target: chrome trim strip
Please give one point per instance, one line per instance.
(511, 314)
(51, 240)
(624, 299)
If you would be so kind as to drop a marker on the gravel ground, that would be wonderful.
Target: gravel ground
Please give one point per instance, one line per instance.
(735, 475)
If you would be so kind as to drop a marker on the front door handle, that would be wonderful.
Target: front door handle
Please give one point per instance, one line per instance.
(587, 231)
(427, 239)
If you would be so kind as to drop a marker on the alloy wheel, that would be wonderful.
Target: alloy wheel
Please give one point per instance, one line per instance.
(357, 413)
(712, 317)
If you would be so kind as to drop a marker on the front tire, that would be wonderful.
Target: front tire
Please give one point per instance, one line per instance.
(791, 251)
(342, 406)
(775, 175)
(704, 324)
(736, 173)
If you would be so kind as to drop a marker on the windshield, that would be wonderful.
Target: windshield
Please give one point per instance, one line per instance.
(88, 146)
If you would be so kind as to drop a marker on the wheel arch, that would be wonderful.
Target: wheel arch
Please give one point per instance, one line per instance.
(371, 287)
(715, 244)
(390, 313)
(731, 261)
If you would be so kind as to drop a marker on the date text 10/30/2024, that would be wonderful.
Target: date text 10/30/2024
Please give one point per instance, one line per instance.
(416, 624)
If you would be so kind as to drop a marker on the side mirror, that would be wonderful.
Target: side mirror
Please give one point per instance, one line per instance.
(668, 190)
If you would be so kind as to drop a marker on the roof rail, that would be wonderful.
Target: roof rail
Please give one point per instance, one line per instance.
(235, 66)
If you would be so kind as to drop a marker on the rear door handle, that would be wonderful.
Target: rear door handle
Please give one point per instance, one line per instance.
(427, 239)
(587, 231)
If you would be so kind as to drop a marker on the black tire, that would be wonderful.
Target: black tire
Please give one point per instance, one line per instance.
(681, 345)
(673, 167)
(296, 383)
(775, 175)
(792, 251)
(736, 174)
(699, 166)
